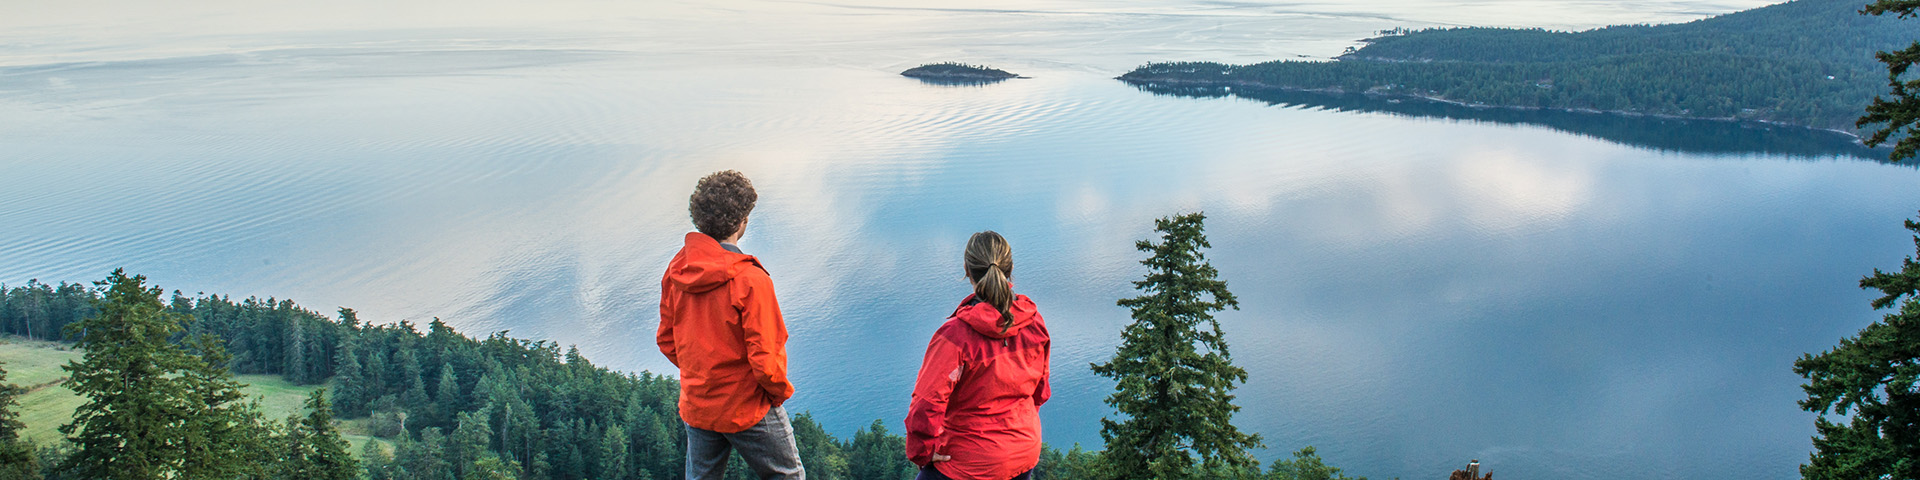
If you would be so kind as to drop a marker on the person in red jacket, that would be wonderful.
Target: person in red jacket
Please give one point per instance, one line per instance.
(720, 324)
(976, 405)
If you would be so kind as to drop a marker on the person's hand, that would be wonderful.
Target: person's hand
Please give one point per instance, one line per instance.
(939, 458)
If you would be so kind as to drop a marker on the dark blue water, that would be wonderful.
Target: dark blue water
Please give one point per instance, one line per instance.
(1555, 297)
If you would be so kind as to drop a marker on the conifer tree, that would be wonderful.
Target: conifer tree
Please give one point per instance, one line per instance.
(224, 436)
(1305, 465)
(329, 452)
(818, 451)
(312, 448)
(446, 398)
(349, 319)
(470, 438)
(413, 395)
(292, 451)
(492, 467)
(134, 417)
(374, 371)
(295, 368)
(349, 383)
(1175, 376)
(1901, 114)
(613, 453)
(1079, 463)
(376, 462)
(659, 452)
(874, 454)
(1870, 380)
(17, 459)
(426, 459)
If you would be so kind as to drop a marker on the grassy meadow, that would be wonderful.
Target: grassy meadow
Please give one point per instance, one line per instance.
(35, 364)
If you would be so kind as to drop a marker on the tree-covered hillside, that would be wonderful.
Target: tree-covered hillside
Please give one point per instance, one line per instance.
(452, 406)
(448, 406)
(1806, 62)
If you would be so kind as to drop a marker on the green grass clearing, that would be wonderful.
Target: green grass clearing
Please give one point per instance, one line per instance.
(36, 365)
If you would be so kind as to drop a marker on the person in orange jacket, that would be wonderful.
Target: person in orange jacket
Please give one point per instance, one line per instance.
(976, 405)
(720, 324)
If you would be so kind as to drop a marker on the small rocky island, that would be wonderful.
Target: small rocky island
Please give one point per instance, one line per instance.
(951, 72)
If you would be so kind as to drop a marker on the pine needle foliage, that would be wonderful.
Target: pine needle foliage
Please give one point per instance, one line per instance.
(224, 434)
(1871, 379)
(312, 448)
(134, 420)
(1901, 113)
(156, 409)
(1175, 376)
(17, 460)
(1305, 465)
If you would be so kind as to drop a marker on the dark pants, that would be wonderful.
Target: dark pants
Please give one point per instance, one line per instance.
(767, 447)
(929, 473)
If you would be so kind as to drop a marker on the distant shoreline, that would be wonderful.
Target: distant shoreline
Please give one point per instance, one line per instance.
(1802, 63)
(1182, 82)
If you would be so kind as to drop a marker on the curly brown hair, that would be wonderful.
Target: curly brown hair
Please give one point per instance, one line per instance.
(720, 202)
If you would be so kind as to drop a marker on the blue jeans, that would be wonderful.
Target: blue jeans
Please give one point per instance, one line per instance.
(767, 447)
(929, 473)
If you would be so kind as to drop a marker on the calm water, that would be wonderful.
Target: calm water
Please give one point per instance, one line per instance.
(1559, 297)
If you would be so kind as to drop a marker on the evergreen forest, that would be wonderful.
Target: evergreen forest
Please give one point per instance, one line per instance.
(158, 376)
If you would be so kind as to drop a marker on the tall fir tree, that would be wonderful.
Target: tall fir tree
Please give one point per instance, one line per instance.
(349, 319)
(446, 400)
(311, 448)
(295, 368)
(374, 372)
(17, 459)
(1901, 113)
(133, 419)
(224, 435)
(1175, 376)
(470, 439)
(328, 451)
(413, 395)
(349, 383)
(613, 454)
(1872, 380)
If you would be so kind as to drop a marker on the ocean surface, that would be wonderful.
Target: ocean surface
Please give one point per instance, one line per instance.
(1561, 296)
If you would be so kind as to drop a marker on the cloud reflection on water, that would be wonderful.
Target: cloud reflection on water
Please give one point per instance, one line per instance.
(1416, 290)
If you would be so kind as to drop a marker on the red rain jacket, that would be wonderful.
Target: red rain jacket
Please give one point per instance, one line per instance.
(720, 324)
(979, 393)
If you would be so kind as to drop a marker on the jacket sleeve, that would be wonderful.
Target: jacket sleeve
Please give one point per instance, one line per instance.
(1045, 390)
(765, 332)
(665, 337)
(927, 414)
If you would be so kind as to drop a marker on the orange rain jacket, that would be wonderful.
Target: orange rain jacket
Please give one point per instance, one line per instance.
(979, 393)
(720, 324)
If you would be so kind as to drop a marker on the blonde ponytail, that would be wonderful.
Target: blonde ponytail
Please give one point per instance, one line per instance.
(989, 263)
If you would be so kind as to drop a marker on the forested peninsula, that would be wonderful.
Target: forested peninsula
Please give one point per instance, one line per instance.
(1806, 62)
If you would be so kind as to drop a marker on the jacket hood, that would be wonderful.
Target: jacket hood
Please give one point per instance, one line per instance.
(983, 318)
(704, 265)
